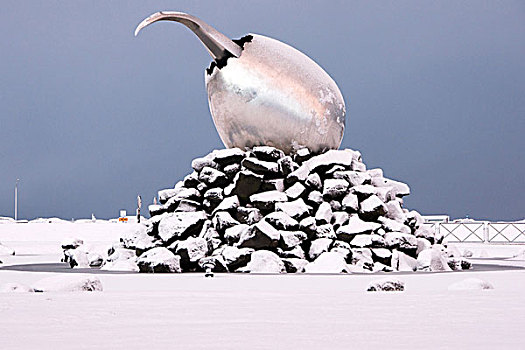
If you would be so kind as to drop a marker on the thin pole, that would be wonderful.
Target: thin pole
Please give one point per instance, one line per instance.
(16, 199)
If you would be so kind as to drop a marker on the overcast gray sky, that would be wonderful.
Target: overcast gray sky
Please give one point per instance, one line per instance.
(91, 116)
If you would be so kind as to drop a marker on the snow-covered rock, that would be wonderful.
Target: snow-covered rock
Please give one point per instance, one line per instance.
(403, 262)
(264, 261)
(95, 259)
(335, 188)
(372, 208)
(295, 191)
(388, 284)
(291, 239)
(191, 250)
(71, 243)
(433, 259)
(281, 221)
(234, 233)
(260, 235)
(123, 265)
(470, 284)
(235, 258)
(159, 260)
(354, 227)
(295, 265)
(4, 250)
(318, 247)
(328, 262)
(69, 283)
(297, 206)
(180, 225)
(267, 200)
(16, 288)
(261, 166)
(296, 209)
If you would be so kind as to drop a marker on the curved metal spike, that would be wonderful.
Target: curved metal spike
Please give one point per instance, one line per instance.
(218, 45)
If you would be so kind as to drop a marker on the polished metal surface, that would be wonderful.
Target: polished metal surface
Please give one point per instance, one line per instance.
(218, 45)
(267, 94)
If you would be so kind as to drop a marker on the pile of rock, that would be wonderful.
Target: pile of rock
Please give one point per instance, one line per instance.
(264, 211)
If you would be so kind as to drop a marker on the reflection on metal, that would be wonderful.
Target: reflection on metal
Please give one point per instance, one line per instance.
(266, 92)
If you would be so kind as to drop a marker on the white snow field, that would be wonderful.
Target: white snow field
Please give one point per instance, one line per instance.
(241, 311)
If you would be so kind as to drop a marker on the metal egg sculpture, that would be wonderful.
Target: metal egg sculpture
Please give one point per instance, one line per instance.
(264, 92)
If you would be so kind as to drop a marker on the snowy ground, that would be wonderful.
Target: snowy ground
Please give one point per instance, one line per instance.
(253, 311)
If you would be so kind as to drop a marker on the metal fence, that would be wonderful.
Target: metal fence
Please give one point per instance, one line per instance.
(480, 232)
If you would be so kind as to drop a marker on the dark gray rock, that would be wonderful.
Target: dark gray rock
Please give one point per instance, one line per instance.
(334, 188)
(282, 221)
(382, 255)
(324, 214)
(340, 218)
(188, 205)
(234, 233)
(400, 188)
(191, 180)
(350, 203)
(180, 225)
(315, 198)
(372, 208)
(261, 235)
(302, 155)
(401, 241)
(389, 284)
(246, 183)
(248, 216)
(294, 265)
(156, 209)
(318, 247)
(231, 170)
(213, 177)
(264, 261)
(273, 185)
(216, 263)
(229, 204)
(212, 237)
(223, 220)
(228, 156)
(295, 191)
(191, 250)
(199, 163)
(295, 252)
(363, 191)
(314, 182)
(355, 226)
(261, 167)
(268, 153)
(325, 231)
(296, 209)
(291, 239)
(267, 200)
(309, 226)
(183, 193)
(165, 195)
(159, 260)
(214, 195)
(287, 165)
(235, 257)
(354, 178)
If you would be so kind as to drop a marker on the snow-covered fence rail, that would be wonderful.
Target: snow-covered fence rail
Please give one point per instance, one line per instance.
(480, 231)
(506, 232)
(472, 232)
